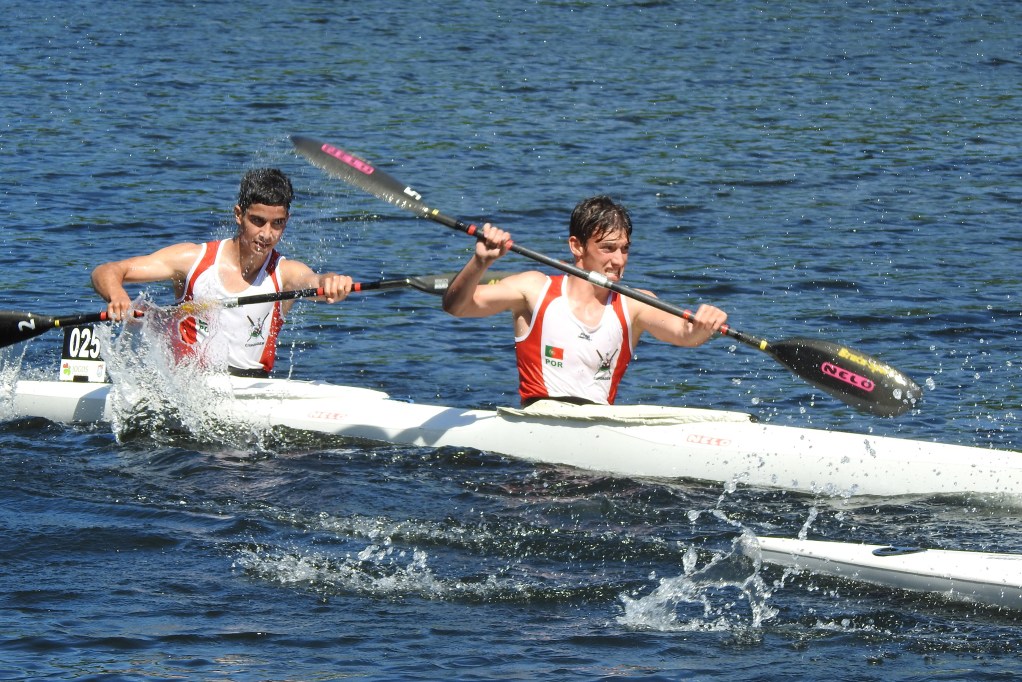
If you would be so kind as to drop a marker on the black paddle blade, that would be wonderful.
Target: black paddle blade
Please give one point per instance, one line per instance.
(863, 382)
(358, 172)
(16, 327)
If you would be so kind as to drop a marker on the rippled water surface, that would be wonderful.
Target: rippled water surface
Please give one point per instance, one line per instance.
(846, 171)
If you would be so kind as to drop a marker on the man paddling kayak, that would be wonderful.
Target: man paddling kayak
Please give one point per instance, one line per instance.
(246, 264)
(573, 339)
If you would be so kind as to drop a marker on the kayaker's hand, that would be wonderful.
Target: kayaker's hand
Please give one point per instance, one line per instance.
(335, 287)
(119, 307)
(708, 320)
(494, 244)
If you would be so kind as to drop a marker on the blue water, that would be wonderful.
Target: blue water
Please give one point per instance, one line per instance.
(847, 171)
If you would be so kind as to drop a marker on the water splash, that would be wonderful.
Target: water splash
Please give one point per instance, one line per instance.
(706, 598)
(803, 532)
(156, 393)
(10, 371)
(378, 570)
(381, 570)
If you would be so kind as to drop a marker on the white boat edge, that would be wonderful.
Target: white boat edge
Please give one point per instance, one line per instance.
(989, 578)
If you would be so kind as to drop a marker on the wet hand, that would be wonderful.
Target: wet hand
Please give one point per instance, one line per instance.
(335, 287)
(119, 308)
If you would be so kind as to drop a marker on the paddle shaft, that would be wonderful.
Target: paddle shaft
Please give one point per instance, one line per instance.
(592, 277)
(420, 283)
(362, 174)
(20, 326)
(84, 318)
(434, 284)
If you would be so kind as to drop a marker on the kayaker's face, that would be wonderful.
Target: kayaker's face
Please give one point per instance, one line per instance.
(260, 227)
(606, 254)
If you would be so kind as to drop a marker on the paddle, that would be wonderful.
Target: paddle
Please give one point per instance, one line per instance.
(853, 377)
(431, 284)
(17, 326)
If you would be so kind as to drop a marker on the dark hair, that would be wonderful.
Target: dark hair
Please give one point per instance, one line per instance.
(595, 216)
(267, 186)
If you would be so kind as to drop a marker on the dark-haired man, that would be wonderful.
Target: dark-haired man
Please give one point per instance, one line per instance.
(244, 265)
(573, 339)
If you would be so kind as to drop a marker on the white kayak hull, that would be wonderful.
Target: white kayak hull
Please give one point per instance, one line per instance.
(711, 445)
(981, 577)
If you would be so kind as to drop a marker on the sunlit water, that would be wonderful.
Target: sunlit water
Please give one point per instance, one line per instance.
(834, 170)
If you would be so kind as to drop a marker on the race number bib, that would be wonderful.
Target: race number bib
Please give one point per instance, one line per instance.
(80, 359)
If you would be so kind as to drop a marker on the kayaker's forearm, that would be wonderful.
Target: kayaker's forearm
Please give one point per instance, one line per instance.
(679, 331)
(459, 298)
(107, 281)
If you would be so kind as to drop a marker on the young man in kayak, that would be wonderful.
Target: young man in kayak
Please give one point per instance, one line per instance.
(246, 264)
(573, 339)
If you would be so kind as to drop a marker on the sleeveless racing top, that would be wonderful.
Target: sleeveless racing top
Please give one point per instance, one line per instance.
(561, 357)
(244, 336)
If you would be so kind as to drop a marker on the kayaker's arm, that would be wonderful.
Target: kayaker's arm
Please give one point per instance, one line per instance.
(677, 330)
(465, 298)
(169, 263)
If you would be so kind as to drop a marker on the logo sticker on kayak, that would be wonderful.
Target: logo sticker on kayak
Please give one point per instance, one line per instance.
(327, 416)
(841, 374)
(715, 441)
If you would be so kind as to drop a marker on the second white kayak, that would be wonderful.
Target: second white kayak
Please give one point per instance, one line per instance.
(982, 577)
